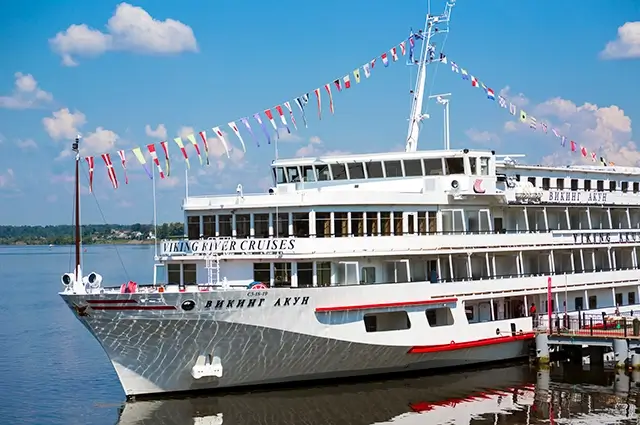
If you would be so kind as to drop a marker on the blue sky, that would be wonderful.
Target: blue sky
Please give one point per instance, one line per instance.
(571, 64)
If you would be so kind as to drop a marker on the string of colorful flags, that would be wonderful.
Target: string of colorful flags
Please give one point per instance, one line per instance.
(252, 127)
(523, 116)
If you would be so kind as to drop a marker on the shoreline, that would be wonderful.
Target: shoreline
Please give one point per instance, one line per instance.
(100, 242)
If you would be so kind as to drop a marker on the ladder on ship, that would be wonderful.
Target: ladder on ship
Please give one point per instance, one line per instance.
(212, 264)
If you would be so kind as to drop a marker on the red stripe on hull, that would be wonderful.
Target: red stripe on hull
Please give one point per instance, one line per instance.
(127, 301)
(134, 307)
(422, 349)
(385, 305)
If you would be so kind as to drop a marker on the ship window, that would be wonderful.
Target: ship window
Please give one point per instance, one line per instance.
(261, 272)
(468, 311)
(560, 184)
(636, 187)
(546, 183)
(307, 173)
(282, 225)
(279, 175)
(393, 168)
(293, 176)
(574, 184)
(323, 172)
(517, 177)
(243, 225)
(209, 226)
(261, 225)
(578, 303)
(412, 168)
(619, 300)
(454, 165)
(612, 185)
(473, 166)
(374, 170)
(397, 223)
(224, 225)
(356, 171)
(301, 225)
(173, 274)
(323, 225)
(189, 271)
(587, 185)
(368, 275)
(323, 271)
(593, 302)
(484, 166)
(624, 186)
(433, 167)
(372, 223)
(439, 317)
(305, 275)
(631, 298)
(532, 180)
(357, 223)
(340, 224)
(600, 185)
(390, 321)
(338, 171)
(281, 274)
(385, 218)
(193, 227)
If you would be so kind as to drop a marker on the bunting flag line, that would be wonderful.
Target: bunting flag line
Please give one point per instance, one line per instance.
(220, 135)
(328, 88)
(343, 82)
(167, 164)
(137, 152)
(154, 157)
(110, 171)
(238, 135)
(123, 161)
(194, 142)
(90, 163)
(203, 136)
(525, 118)
(178, 141)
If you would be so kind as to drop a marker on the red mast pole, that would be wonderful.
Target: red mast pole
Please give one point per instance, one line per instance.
(75, 148)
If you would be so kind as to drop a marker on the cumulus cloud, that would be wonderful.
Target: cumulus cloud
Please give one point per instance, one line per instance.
(26, 144)
(160, 131)
(482, 137)
(64, 124)
(7, 179)
(627, 45)
(26, 94)
(131, 29)
(316, 147)
(517, 99)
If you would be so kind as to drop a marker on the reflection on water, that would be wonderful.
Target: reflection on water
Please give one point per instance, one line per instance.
(513, 395)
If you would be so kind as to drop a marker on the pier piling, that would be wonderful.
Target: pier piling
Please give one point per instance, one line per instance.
(542, 349)
(620, 352)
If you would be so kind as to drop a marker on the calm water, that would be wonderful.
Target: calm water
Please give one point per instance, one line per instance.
(53, 372)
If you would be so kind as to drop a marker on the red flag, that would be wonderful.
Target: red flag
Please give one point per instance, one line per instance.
(203, 136)
(167, 164)
(154, 156)
(123, 161)
(90, 163)
(328, 88)
(347, 82)
(269, 115)
(317, 92)
(338, 85)
(110, 171)
(573, 146)
(583, 150)
(403, 48)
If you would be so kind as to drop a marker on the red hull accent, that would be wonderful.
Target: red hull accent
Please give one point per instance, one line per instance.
(422, 349)
(134, 307)
(112, 301)
(385, 305)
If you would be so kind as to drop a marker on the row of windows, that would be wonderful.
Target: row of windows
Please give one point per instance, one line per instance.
(338, 224)
(380, 169)
(586, 184)
(399, 320)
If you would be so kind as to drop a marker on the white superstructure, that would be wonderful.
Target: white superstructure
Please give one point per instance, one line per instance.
(363, 264)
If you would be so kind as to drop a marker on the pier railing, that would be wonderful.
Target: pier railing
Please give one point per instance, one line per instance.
(625, 325)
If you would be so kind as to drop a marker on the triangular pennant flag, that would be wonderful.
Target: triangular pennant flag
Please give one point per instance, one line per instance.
(283, 119)
(110, 171)
(194, 142)
(563, 142)
(338, 85)
(269, 115)
(301, 106)
(403, 48)
(178, 141)
(523, 116)
(245, 121)
(123, 161)
(356, 75)
(574, 146)
(91, 164)
(154, 157)
(394, 54)
(317, 92)
(233, 127)
(220, 135)
(367, 71)
(347, 82)
(293, 118)
(328, 88)
(140, 157)
(257, 117)
(203, 136)
(167, 164)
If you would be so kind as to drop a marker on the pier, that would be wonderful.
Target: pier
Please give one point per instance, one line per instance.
(574, 337)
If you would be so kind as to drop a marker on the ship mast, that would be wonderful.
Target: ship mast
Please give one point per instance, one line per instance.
(75, 148)
(427, 55)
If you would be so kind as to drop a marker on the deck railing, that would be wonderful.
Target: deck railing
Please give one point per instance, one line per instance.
(622, 325)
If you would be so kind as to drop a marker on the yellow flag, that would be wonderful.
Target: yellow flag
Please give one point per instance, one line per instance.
(192, 139)
(356, 74)
(523, 116)
(178, 141)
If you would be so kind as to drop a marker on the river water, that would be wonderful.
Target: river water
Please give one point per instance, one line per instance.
(53, 372)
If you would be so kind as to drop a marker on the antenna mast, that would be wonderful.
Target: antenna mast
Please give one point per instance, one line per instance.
(75, 147)
(427, 55)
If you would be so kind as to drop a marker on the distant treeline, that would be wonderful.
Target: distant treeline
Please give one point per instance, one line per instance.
(91, 233)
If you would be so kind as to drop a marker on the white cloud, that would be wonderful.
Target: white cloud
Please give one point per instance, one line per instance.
(63, 124)
(518, 99)
(627, 45)
(7, 179)
(159, 133)
(316, 147)
(185, 131)
(283, 136)
(482, 137)
(511, 126)
(98, 142)
(131, 29)
(26, 94)
(26, 144)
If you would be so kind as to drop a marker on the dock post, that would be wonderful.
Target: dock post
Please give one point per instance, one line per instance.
(621, 352)
(635, 361)
(622, 383)
(543, 379)
(542, 348)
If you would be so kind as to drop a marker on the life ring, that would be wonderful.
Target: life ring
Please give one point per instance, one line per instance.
(452, 342)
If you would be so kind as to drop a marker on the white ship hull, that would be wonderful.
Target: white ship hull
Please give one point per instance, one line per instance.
(154, 344)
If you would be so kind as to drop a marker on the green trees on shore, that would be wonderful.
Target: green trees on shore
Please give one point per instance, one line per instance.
(91, 233)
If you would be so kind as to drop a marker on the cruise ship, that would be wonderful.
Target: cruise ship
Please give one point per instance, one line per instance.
(354, 265)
